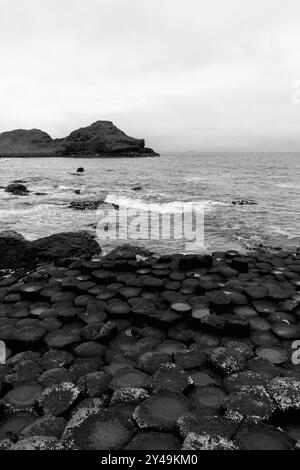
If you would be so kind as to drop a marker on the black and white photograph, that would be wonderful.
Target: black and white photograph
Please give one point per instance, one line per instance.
(149, 229)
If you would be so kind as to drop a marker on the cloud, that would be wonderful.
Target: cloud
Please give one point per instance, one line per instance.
(185, 75)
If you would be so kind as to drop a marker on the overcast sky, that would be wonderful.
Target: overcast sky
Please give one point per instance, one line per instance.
(209, 75)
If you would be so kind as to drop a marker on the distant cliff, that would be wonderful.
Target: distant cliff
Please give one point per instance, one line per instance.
(100, 139)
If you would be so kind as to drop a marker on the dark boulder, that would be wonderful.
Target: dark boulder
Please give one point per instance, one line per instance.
(80, 170)
(243, 202)
(66, 245)
(91, 205)
(12, 234)
(17, 189)
(86, 205)
(16, 253)
(188, 262)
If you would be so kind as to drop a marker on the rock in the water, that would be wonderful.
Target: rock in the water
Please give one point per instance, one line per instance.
(88, 205)
(80, 170)
(17, 189)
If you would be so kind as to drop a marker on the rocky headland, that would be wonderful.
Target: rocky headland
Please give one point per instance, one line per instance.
(102, 139)
(131, 351)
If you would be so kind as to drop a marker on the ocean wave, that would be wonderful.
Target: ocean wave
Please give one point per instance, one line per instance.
(287, 185)
(164, 207)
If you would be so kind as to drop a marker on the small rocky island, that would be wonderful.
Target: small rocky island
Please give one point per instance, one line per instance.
(101, 139)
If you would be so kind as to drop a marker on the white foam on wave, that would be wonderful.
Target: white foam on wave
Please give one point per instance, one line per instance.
(164, 207)
(287, 186)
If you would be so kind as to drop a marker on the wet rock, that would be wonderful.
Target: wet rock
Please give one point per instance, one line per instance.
(153, 441)
(264, 306)
(189, 262)
(236, 382)
(203, 378)
(181, 308)
(58, 398)
(261, 437)
(206, 340)
(22, 396)
(213, 426)
(24, 371)
(107, 332)
(54, 377)
(207, 397)
(23, 356)
(191, 358)
(118, 309)
(259, 324)
(13, 424)
(244, 202)
(91, 205)
(251, 404)
(161, 411)
(30, 334)
(256, 292)
(66, 245)
(241, 265)
(171, 347)
(47, 425)
(206, 442)
(285, 331)
(92, 430)
(273, 354)
(54, 359)
(117, 365)
(17, 189)
(16, 253)
(129, 377)
(132, 395)
(218, 300)
(96, 383)
(285, 391)
(38, 443)
(264, 367)
(226, 360)
(60, 339)
(150, 362)
(90, 349)
(171, 377)
(245, 311)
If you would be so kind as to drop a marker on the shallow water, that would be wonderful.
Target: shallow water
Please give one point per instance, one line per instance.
(215, 180)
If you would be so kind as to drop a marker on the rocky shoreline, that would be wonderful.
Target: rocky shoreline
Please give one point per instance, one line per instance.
(130, 351)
